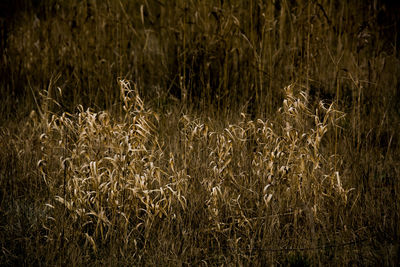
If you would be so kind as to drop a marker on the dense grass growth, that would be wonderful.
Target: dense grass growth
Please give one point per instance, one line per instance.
(199, 132)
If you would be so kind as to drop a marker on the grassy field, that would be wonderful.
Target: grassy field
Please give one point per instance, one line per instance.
(193, 132)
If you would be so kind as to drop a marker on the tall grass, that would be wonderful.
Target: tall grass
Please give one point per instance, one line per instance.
(190, 132)
(116, 184)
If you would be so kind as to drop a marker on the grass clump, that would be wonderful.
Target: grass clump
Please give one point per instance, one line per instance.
(109, 176)
(119, 184)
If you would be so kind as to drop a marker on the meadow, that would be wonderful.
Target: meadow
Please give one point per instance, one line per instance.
(179, 133)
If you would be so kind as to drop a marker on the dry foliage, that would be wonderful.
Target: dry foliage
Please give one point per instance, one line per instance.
(116, 182)
(201, 158)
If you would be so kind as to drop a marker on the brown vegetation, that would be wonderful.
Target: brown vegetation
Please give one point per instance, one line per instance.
(199, 132)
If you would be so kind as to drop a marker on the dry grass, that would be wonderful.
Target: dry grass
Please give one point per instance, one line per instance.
(202, 157)
(115, 183)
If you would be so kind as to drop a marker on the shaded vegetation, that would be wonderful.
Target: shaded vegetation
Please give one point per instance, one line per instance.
(199, 132)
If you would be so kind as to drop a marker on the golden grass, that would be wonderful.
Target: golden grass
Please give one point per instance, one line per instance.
(116, 182)
(199, 132)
